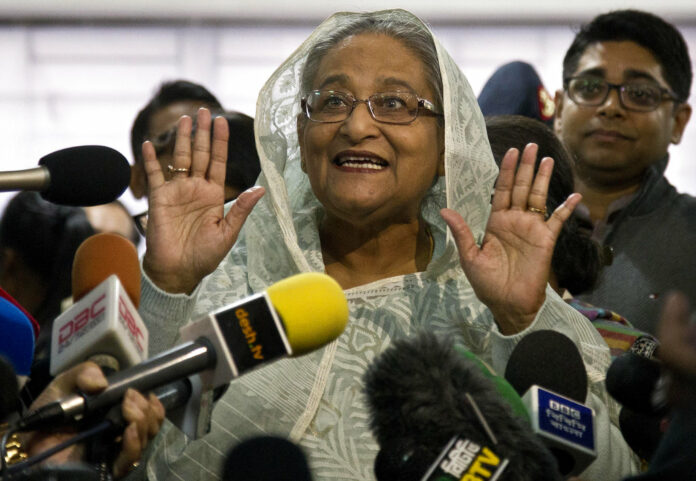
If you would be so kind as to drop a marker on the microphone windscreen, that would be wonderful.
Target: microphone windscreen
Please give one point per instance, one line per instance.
(85, 175)
(102, 255)
(416, 393)
(313, 308)
(17, 340)
(504, 388)
(632, 379)
(549, 360)
(266, 458)
(8, 389)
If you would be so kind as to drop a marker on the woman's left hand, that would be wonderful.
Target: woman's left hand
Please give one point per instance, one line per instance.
(510, 270)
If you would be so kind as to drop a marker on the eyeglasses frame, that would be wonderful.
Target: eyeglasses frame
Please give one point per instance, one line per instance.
(424, 105)
(666, 93)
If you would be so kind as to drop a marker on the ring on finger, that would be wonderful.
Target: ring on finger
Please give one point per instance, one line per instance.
(177, 170)
(534, 210)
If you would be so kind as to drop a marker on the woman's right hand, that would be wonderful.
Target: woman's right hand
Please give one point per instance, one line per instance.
(188, 233)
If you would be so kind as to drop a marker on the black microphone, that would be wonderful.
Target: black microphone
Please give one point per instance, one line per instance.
(266, 458)
(548, 359)
(548, 372)
(422, 394)
(78, 176)
(635, 380)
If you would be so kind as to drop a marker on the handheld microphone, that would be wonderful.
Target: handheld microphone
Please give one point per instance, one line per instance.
(249, 461)
(226, 343)
(104, 320)
(547, 370)
(78, 176)
(422, 394)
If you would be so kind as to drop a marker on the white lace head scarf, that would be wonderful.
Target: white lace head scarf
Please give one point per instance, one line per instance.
(470, 169)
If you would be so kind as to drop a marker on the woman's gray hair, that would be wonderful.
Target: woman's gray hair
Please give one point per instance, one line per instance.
(397, 24)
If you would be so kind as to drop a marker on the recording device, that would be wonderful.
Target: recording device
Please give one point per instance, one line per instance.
(78, 176)
(547, 370)
(423, 395)
(103, 324)
(294, 316)
(251, 460)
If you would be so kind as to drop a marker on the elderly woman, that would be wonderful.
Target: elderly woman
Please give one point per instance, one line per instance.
(365, 134)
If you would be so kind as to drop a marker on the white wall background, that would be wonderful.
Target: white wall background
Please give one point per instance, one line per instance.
(75, 72)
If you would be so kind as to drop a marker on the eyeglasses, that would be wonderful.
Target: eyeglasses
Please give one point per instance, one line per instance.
(165, 141)
(639, 97)
(330, 106)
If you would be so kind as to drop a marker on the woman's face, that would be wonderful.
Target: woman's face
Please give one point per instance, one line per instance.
(360, 169)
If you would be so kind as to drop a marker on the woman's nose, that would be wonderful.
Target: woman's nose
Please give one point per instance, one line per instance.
(360, 122)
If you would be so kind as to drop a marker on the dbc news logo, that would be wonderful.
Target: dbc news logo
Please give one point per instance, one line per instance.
(81, 323)
(128, 320)
(465, 460)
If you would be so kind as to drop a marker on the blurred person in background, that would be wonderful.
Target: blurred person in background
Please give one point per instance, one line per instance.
(242, 168)
(157, 120)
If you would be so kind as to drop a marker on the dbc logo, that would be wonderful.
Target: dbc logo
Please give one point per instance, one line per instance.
(82, 319)
(133, 328)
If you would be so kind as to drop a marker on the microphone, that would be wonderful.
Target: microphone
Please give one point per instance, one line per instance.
(77, 176)
(17, 340)
(547, 370)
(103, 324)
(422, 394)
(250, 461)
(636, 381)
(225, 344)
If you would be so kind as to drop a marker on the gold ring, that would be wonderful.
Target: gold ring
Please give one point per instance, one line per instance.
(178, 170)
(534, 210)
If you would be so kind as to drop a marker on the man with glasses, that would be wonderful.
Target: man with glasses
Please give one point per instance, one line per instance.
(626, 81)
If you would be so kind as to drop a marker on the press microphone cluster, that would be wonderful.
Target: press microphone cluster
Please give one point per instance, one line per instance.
(79, 176)
(294, 316)
(437, 414)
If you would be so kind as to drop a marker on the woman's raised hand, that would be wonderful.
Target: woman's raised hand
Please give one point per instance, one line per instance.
(188, 233)
(510, 270)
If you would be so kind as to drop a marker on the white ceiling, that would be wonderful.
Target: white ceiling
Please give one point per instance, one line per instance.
(465, 11)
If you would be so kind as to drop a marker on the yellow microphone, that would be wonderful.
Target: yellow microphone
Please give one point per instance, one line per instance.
(293, 317)
(313, 308)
